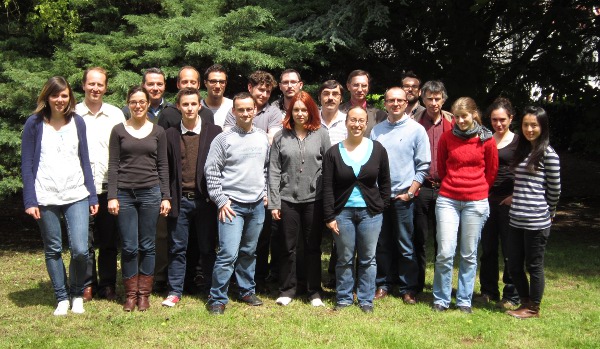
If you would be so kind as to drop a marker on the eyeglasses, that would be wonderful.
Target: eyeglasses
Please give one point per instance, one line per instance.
(134, 103)
(411, 87)
(289, 83)
(214, 82)
(395, 100)
(357, 121)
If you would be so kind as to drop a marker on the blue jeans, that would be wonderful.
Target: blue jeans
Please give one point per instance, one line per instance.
(237, 250)
(76, 219)
(138, 214)
(192, 214)
(471, 215)
(359, 231)
(395, 253)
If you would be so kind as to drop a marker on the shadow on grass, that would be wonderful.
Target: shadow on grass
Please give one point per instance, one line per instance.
(43, 294)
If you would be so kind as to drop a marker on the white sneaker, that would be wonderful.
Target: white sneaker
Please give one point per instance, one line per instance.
(283, 301)
(170, 301)
(77, 307)
(62, 308)
(317, 302)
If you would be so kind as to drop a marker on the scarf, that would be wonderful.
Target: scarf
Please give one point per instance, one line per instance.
(483, 132)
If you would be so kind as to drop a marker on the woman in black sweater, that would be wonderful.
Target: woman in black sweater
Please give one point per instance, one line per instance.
(356, 189)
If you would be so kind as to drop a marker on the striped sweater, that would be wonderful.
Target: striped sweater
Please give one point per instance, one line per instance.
(536, 194)
(236, 166)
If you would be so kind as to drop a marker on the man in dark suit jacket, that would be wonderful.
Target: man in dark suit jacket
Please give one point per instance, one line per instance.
(192, 211)
(170, 116)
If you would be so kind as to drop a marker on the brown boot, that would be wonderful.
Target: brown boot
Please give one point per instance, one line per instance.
(526, 311)
(144, 290)
(131, 290)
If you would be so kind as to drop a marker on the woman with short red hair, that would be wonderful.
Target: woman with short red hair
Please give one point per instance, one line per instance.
(295, 194)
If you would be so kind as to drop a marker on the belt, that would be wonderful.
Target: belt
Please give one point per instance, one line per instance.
(427, 183)
(190, 195)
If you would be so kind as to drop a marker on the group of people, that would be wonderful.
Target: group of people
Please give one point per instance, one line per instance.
(246, 179)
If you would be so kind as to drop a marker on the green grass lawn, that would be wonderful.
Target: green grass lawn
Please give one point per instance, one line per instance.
(570, 313)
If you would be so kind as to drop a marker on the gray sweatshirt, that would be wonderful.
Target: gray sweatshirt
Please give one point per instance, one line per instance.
(295, 167)
(236, 166)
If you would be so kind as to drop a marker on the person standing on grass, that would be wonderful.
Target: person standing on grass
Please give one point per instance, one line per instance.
(497, 226)
(407, 145)
(467, 165)
(295, 194)
(100, 118)
(192, 212)
(356, 190)
(138, 191)
(235, 174)
(58, 181)
(533, 207)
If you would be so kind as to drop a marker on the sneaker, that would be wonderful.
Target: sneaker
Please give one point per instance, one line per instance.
(366, 308)
(61, 308)
(317, 302)
(341, 306)
(465, 309)
(77, 306)
(170, 301)
(438, 308)
(283, 301)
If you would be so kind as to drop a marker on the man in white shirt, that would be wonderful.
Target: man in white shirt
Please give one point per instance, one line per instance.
(100, 118)
(215, 80)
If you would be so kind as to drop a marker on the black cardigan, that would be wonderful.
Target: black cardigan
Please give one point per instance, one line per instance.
(339, 180)
(207, 133)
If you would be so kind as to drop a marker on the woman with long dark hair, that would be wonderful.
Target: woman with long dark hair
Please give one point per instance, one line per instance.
(58, 181)
(535, 196)
(356, 190)
(467, 165)
(138, 191)
(496, 229)
(295, 194)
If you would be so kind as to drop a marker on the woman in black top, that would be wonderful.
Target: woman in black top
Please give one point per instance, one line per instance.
(356, 189)
(497, 228)
(138, 191)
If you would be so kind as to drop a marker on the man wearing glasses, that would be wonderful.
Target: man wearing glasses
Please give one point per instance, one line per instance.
(411, 84)
(215, 80)
(358, 84)
(290, 84)
(407, 146)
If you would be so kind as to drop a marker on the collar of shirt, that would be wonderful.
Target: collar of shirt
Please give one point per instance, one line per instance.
(364, 104)
(89, 112)
(195, 130)
(155, 111)
(339, 117)
(402, 119)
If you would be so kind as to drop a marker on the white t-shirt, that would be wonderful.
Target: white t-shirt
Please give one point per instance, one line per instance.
(59, 178)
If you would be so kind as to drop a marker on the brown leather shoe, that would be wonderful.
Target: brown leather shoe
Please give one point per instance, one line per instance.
(108, 293)
(131, 290)
(87, 294)
(409, 298)
(381, 293)
(144, 289)
(525, 311)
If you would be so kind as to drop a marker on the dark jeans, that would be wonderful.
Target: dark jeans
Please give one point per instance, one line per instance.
(138, 213)
(395, 253)
(495, 234)
(199, 218)
(526, 251)
(425, 225)
(303, 222)
(104, 235)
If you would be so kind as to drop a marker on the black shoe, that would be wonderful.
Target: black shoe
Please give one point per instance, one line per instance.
(330, 284)
(465, 309)
(366, 308)
(216, 309)
(341, 306)
(438, 308)
(252, 300)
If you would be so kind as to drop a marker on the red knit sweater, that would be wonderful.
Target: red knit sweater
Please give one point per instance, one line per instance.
(467, 167)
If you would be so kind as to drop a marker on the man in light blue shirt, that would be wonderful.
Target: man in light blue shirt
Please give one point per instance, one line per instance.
(407, 145)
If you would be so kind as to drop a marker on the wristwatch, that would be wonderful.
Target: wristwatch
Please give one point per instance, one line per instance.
(410, 195)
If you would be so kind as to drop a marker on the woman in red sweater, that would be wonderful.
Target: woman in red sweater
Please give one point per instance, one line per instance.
(467, 164)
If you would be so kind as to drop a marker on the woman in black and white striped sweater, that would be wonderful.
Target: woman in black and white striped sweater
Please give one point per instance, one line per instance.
(536, 192)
